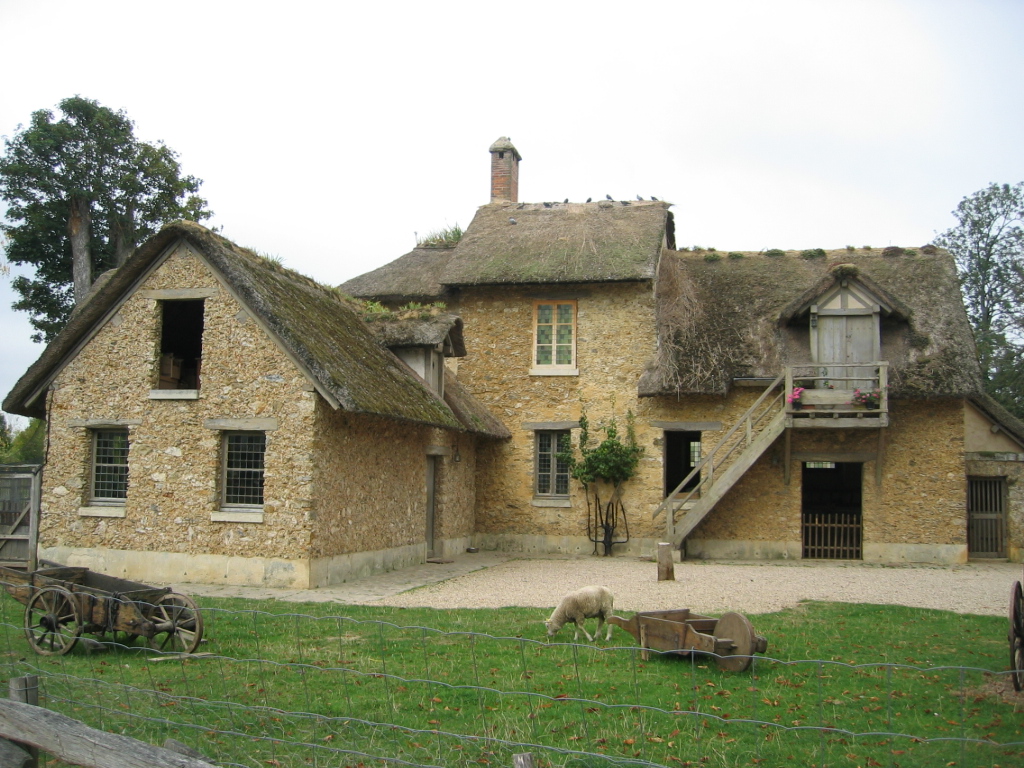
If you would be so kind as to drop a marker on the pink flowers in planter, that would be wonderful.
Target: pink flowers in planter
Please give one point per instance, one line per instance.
(869, 398)
(794, 396)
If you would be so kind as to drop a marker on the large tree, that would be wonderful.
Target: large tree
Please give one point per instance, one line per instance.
(988, 245)
(81, 193)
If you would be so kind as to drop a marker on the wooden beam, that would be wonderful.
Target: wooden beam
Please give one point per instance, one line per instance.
(786, 470)
(880, 455)
(78, 744)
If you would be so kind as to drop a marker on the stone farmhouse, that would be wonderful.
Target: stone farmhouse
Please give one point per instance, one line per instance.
(214, 417)
(573, 307)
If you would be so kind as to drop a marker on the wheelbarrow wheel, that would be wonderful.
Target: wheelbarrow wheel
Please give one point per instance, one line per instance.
(737, 627)
(53, 621)
(179, 625)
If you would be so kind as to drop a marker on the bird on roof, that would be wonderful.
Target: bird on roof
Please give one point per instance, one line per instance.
(639, 198)
(547, 205)
(589, 199)
(565, 201)
(511, 220)
(654, 198)
(521, 206)
(608, 197)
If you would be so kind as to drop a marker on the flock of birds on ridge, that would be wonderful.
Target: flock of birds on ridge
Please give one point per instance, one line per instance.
(589, 199)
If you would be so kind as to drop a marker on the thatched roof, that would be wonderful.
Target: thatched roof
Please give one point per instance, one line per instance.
(416, 276)
(416, 329)
(559, 243)
(471, 411)
(313, 323)
(722, 317)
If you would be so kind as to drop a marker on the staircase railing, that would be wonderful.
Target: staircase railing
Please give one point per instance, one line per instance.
(740, 436)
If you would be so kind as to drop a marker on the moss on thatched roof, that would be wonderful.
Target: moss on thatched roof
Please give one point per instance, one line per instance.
(559, 243)
(414, 276)
(317, 326)
(421, 330)
(723, 319)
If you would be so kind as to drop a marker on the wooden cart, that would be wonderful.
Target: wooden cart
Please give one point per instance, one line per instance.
(61, 603)
(680, 631)
(1016, 636)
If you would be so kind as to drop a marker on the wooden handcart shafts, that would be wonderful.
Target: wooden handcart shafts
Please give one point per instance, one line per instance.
(730, 638)
(63, 603)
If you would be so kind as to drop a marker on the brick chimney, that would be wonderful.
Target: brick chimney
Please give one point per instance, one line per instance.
(504, 171)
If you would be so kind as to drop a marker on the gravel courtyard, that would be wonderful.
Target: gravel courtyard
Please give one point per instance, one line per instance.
(979, 588)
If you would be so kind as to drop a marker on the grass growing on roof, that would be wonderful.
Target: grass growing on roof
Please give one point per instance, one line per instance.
(413, 683)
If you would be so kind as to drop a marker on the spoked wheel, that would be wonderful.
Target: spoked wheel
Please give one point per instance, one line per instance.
(1017, 663)
(1017, 610)
(179, 626)
(53, 621)
(1016, 636)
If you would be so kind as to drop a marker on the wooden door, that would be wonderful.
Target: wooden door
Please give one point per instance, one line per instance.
(19, 516)
(431, 502)
(986, 517)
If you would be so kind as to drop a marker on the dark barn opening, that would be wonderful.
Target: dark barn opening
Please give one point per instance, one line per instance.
(682, 453)
(832, 510)
(181, 344)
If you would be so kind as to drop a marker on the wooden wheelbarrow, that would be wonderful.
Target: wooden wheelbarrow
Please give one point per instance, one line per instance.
(680, 631)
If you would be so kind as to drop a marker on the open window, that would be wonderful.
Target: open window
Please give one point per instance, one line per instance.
(682, 454)
(181, 344)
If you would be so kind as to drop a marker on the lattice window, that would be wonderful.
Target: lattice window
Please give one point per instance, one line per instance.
(552, 472)
(109, 466)
(244, 454)
(555, 334)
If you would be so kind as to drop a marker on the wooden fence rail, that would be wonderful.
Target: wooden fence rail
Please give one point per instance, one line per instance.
(78, 744)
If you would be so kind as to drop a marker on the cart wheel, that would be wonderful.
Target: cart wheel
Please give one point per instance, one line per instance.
(737, 628)
(1016, 611)
(1017, 663)
(53, 621)
(179, 625)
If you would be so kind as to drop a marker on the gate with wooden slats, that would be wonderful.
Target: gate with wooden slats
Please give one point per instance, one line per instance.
(19, 515)
(832, 535)
(986, 517)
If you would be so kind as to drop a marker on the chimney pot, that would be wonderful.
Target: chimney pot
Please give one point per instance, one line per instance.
(504, 171)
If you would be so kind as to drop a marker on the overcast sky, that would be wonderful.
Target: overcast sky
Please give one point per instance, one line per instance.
(330, 133)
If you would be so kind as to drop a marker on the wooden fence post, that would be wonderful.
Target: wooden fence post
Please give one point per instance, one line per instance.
(666, 569)
(26, 690)
(523, 760)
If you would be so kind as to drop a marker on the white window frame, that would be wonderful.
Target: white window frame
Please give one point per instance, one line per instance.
(553, 368)
(552, 493)
(237, 511)
(95, 500)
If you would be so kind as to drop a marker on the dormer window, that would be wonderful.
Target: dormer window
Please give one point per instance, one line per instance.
(427, 362)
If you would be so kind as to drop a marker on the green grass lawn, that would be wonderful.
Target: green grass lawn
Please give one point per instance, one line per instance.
(840, 685)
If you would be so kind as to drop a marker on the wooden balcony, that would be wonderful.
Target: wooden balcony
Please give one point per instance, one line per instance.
(828, 397)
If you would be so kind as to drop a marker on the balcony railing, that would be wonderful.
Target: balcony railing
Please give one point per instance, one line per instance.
(837, 394)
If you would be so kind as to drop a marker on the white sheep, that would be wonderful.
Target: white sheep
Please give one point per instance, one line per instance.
(580, 605)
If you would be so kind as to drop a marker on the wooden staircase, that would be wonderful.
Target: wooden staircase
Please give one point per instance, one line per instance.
(769, 417)
(726, 462)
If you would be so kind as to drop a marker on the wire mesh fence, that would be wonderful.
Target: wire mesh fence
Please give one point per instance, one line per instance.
(295, 689)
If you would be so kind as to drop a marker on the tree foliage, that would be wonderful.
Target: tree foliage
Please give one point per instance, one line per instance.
(24, 447)
(988, 245)
(81, 193)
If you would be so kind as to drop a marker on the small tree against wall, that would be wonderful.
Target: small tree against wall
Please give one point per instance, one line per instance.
(611, 463)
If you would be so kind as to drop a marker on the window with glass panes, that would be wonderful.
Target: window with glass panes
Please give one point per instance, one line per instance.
(109, 466)
(555, 333)
(552, 472)
(243, 468)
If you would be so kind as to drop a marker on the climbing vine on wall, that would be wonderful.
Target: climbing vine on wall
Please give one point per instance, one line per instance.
(602, 470)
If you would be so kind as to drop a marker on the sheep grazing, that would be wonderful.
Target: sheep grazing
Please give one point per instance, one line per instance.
(580, 605)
